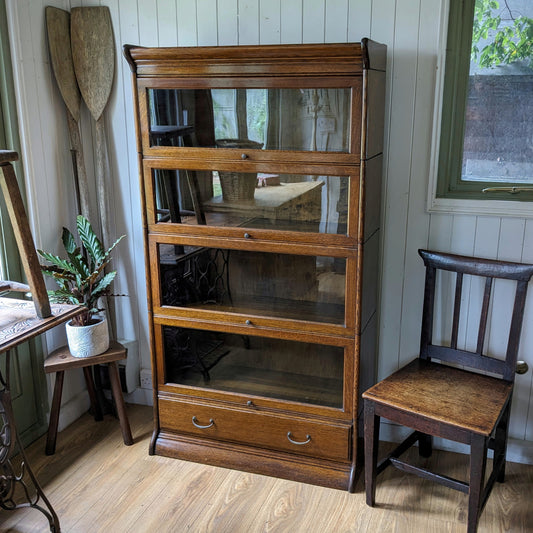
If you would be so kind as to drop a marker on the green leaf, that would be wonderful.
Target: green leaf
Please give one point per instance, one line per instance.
(89, 240)
(103, 284)
(68, 241)
(56, 260)
(113, 246)
(63, 296)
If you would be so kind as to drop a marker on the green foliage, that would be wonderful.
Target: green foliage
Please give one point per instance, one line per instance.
(507, 43)
(81, 278)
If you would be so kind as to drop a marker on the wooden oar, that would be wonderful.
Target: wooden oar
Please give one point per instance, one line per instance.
(58, 28)
(93, 54)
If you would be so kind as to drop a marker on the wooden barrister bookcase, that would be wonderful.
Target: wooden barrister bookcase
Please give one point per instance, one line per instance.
(260, 175)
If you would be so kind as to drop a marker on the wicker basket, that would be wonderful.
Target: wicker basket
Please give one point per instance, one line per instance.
(238, 186)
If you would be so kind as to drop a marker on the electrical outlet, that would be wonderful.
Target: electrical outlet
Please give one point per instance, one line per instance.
(146, 379)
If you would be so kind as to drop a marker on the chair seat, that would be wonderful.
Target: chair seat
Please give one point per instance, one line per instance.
(445, 394)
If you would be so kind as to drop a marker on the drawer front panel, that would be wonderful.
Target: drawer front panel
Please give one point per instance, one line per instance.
(306, 437)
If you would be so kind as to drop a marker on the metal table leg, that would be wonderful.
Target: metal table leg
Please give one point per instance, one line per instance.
(9, 478)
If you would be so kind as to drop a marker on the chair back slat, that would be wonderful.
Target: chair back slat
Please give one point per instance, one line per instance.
(468, 359)
(484, 316)
(485, 268)
(457, 308)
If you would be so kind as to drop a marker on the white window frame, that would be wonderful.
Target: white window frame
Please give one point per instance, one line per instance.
(493, 207)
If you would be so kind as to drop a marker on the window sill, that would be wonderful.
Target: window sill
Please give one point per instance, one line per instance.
(502, 208)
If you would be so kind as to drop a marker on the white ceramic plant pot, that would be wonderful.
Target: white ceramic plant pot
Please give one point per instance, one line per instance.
(86, 341)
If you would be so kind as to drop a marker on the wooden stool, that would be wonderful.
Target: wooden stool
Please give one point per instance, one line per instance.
(61, 360)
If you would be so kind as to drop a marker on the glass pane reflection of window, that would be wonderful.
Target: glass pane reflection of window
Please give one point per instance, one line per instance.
(275, 119)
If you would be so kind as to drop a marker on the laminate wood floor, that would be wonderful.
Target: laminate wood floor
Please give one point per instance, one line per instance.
(97, 484)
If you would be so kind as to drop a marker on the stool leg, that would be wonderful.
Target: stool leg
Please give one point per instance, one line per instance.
(95, 404)
(54, 414)
(119, 400)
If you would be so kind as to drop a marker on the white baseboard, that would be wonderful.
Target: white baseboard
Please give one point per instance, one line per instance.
(518, 451)
(140, 396)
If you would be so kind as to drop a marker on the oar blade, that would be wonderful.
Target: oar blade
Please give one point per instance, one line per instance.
(58, 29)
(93, 53)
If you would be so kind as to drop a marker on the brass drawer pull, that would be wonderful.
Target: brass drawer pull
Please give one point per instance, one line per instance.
(308, 437)
(195, 422)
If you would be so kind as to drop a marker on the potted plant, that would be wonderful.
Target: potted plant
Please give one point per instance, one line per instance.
(82, 280)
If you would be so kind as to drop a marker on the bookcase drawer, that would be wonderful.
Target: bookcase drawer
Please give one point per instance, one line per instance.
(327, 440)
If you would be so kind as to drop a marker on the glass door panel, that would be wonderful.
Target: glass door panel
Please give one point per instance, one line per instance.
(289, 202)
(310, 119)
(299, 287)
(312, 373)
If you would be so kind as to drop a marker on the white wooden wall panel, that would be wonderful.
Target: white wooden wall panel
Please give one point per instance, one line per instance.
(313, 21)
(403, 74)
(228, 22)
(206, 20)
(525, 381)
(270, 21)
(410, 28)
(359, 19)
(187, 27)
(291, 21)
(248, 13)
(167, 29)
(417, 219)
(335, 11)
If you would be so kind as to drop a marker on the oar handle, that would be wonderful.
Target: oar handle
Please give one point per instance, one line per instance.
(80, 174)
(103, 189)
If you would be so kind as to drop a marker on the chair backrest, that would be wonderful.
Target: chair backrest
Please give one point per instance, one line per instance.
(489, 269)
(21, 228)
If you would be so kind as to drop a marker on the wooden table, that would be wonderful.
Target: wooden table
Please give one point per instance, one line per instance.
(18, 323)
(21, 320)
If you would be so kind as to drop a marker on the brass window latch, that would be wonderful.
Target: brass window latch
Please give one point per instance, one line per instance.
(510, 190)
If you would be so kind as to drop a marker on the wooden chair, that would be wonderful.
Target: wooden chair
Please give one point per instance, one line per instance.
(435, 399)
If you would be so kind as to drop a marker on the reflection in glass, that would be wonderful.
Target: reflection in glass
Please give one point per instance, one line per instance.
(290, 202)
(285, 286)
(254, 365)
(276, 119)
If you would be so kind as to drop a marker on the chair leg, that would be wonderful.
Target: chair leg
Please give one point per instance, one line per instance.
(119, 400)
(425, 445)
(371, 451)
(500, 445)
(478, 463)
(54, 414)
(95, 404)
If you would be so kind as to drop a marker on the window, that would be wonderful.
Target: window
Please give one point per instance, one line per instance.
(486, 141)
